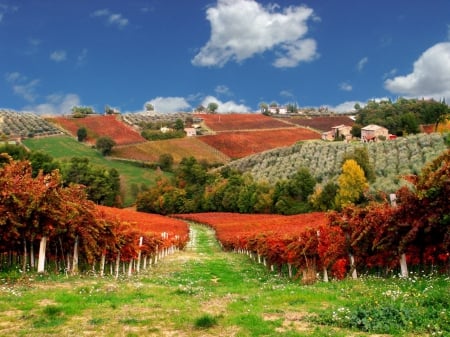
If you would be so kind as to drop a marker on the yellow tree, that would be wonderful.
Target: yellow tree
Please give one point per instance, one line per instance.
(352, 184)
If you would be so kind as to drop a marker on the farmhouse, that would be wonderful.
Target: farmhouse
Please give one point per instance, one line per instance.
(190, 132)
(338, 132)
(372, 133)
(278, 110)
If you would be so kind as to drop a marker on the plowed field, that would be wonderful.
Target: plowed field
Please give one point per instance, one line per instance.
(241, 144)
(101, 126)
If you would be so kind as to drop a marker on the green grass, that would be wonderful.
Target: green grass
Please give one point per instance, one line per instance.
(64, 148)
(203, 291)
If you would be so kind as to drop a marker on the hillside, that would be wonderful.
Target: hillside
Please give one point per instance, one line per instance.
(322, 123)
(391, 159)
(178, 148)
(239, 122)
(64, 148)
(239, 144)
(100, 126)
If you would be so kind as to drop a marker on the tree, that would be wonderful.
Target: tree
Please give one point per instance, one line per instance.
(81, 134)
(361, 156)
(149, 107)
(82, 111)
(352, 184)
(179, 125)
(105, 145)
(292, 108)
(264, 108)
(212, 107)
(165, 161)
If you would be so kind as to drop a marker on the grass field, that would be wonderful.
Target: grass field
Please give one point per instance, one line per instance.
(179, 148)
(203, 291)
(64, 148)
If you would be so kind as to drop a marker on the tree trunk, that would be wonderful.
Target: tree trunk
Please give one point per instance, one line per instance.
(102, 265)
(25, 256)
(42, 248)
(32, 263)
(353, 268)
(117, 265)
(403, 265)
(325, 274)
(75, 257)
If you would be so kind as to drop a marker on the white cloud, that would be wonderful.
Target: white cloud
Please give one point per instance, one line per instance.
(345, 86)
(22, 86)
(242, 28)
(448, 32)
(111, 18)
(362, 63)
(229, 106)
(286, 93)
(56, 104)
(169, 104)
(58, 55)
(430, 77)
(390, 73)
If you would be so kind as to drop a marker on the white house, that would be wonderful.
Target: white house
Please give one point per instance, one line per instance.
(190, 132)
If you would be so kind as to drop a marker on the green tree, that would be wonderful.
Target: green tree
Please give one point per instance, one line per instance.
(323, 199)
(81, 134)
(105, 145)
(179, 125)
(264, 108)
(361, 156)
(212, 107)
(166, 162)
(352, 184)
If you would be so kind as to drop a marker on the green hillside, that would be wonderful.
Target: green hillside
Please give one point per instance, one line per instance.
(64, 148)
(391, 159)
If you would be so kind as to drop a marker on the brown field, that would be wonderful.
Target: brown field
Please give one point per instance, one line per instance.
(241, 144)
(179, 148)
(236, 122)
(322, 123)
(100, 126)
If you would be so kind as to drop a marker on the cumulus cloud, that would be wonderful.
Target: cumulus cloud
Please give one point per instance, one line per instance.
(169, 104)
(58, 55)
(362, 63)
(22, 86)
(116, 19)
(430, 77)
(229, 106)
(241, 29)
(55, 104)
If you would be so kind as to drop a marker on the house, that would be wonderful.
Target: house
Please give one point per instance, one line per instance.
(278, 110)
(373, 133)
(337, 132)
(342, 131)
(190, 132)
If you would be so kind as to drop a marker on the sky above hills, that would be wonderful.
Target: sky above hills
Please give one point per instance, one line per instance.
(179, 54)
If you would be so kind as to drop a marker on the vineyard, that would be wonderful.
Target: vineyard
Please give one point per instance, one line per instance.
(100, 126)
(45, 226)
(322, 123)
(240, 122)
(380, 237)
(391, 159)
(240, 144)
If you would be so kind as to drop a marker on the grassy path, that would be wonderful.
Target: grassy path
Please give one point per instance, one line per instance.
(200, 291)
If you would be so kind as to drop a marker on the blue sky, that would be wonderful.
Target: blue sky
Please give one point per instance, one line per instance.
(178, 54)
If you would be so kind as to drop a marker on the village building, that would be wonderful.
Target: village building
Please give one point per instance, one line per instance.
(190, 132)
(338, 132)
(373, 133)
